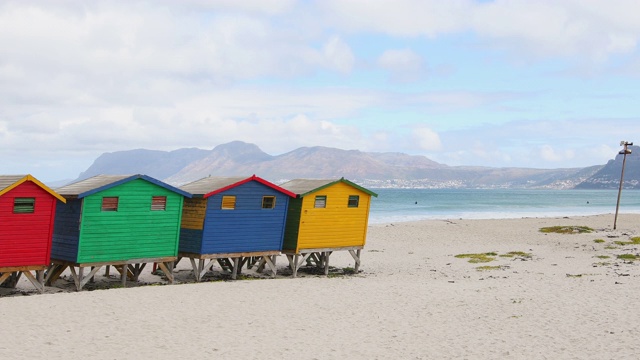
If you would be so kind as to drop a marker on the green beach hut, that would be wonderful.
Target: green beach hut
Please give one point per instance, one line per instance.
(125, 221)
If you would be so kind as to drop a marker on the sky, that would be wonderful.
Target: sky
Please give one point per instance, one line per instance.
(504, 83)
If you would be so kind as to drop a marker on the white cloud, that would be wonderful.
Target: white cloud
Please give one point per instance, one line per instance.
(269, 7)
(400, 17)
(585, 30)
(131, 53)
(80, 78)
(536, 143)
(339, 55)
(404, 65)
(426, 139)
(551, 155)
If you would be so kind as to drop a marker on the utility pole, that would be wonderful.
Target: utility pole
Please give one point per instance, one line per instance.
(624, 153)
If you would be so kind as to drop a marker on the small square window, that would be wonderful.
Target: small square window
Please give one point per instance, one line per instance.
(110, 203)
(158, 203)
(24, 205)
(354, 200)
(268, 202)
(228, 202)
(321, 201)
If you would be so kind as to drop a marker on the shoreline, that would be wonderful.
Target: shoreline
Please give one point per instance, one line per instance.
(571, 297)
(515, 216)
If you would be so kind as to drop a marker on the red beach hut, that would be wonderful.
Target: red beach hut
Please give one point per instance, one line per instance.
(27, 211)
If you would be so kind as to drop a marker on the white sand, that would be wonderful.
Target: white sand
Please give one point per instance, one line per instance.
(413, 300)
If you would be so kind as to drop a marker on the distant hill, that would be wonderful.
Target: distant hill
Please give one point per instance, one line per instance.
(157, 164)
(608, 177)
(366, 168)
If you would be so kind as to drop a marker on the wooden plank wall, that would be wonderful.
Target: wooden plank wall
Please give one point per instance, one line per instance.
(337, 225)
(293, 225)
(134, 231)
(248, 228)
(193, 213)
(66, 231)
(25, 239)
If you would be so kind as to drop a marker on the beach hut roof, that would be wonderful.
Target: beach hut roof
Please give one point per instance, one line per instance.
(98, 183)
(8, 182)
(303, 187)
(212, 185)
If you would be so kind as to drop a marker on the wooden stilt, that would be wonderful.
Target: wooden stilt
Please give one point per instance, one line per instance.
(272, 264)
(243, 260)
(197, 271)
(131, 269)
(40, 276)
(15, 278)
(313, 258)
(229, 262)
(74, 275)
(293, 263)
(356, 256)
(123, 275)
(167, 268)
(4, 277)
(234, 270)
(319, 257)
(224, 264)
(136, 270)
(326, 262)
(91, 275)
(261, 265)
(37, 284)
(53, 273)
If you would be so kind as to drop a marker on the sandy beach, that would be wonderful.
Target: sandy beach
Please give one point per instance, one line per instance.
(544, 296)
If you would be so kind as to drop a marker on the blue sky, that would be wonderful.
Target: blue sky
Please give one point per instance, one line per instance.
(506, 83)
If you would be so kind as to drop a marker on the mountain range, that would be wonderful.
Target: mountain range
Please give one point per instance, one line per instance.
(369, 169)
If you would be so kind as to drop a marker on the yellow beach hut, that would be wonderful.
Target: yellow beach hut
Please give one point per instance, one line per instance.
(325, 216)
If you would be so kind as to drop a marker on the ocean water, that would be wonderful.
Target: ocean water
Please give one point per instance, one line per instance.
(397, 205)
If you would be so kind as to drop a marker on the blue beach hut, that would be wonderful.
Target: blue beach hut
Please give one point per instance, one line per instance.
(233, 220)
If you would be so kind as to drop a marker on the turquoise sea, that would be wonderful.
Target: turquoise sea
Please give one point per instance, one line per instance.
(396, 205)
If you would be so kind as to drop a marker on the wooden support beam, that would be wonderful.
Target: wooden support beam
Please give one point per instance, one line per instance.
(243, 261)
(10, 269)
(35, 282)
(293, 260)
(197, 268)
(271, 261)
(325, 257)
(4, 276)
(208, 266)
(124, 271)
(122, 267)
(252, 260)
(92, 273)
(75, 277)
(234, 269)
(53, 273)
(136, 270)
(40, 276)
(225, 264)
(294, 264)
(261, 265)
(200, 267)
(355, 254)
(315, 258)
(167, 268)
